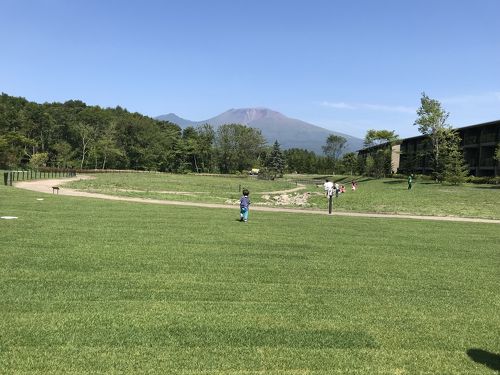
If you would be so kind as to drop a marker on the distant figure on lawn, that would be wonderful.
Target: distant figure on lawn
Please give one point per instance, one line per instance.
(410, 180)
(328, 185)
(337, 189)
(342, 189)
(354, 185)
(244, 205)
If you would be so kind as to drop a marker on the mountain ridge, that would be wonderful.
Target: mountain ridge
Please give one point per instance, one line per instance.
(289, 132)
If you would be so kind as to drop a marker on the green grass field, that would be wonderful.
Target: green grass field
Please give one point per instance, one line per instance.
(380, 196)
(91, 286)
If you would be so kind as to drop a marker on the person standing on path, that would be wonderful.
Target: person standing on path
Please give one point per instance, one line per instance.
(328, 186)
(244, 205)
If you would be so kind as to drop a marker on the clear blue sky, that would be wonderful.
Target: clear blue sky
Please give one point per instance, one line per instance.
(348, 66)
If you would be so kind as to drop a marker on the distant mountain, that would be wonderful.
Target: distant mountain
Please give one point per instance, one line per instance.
(290, 133)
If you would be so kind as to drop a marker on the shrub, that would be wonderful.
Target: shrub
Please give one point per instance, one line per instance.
(484, 180)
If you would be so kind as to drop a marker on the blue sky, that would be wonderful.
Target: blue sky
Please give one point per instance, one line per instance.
(347, 66)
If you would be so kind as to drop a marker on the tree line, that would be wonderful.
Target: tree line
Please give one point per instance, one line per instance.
(75, 135)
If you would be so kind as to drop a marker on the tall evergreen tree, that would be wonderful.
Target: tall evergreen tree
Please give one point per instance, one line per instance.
(275, 161)
(454, 169)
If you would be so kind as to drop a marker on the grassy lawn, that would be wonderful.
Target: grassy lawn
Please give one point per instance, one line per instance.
(92, 286)
(381, 196)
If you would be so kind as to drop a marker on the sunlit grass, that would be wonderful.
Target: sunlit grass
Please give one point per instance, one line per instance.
(91, 286)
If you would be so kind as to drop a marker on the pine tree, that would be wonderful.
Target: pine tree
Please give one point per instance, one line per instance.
(275, 161)
(455, 171)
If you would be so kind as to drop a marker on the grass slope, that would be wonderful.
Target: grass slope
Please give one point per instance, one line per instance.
(91, 286)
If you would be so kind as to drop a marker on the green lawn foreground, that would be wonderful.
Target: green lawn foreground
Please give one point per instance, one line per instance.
(92, 286)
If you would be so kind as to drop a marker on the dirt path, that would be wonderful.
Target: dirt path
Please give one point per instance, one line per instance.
(298, 188)
(45, 186)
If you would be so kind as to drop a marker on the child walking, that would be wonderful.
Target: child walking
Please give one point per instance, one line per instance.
(244, 205)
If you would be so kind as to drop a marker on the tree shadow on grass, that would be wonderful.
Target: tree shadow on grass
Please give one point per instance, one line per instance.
(487, 187)
(394, 182)
(365, 179)
(483, 357)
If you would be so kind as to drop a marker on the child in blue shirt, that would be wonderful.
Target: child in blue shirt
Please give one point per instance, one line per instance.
(244, 205)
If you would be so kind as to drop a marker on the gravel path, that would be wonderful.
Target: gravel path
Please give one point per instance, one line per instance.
(45, 186)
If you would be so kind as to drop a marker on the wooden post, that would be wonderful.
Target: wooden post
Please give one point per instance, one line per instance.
(330, 204)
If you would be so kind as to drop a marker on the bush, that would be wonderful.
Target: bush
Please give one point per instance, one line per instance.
(484, 180)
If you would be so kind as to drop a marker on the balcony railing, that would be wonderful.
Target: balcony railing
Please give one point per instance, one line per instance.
(487, 163)
(471, 140)
(488, 137)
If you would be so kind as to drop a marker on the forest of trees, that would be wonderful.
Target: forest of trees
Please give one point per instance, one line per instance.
(75, 135)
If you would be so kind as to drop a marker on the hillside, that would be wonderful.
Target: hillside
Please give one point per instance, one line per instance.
(290, 133)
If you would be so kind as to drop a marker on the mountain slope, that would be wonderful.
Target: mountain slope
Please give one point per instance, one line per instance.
(290, 133)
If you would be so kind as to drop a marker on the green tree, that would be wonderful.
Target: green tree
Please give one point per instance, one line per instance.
(350, 163)
(238, 147)
(431, 121)
(301, 161)
(382, 140)
(38, 160)
(275, 161)
(454, 169)
(206, 149)
(376, 137)
(107, 149)
(63, 154)
(369, 166)
(86, 135)
(13, 149)
(190, 149)
(334, 146)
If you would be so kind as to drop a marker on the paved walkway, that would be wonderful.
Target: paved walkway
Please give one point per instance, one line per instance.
(45, 186)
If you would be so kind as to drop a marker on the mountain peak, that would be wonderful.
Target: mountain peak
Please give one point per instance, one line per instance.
(248, 115)
(290, 133)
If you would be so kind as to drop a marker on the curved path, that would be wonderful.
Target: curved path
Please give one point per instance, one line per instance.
(45, 186)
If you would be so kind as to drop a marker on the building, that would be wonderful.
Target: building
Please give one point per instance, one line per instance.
(479, 143)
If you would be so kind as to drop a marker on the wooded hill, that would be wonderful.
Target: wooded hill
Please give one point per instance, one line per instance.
(73, 134)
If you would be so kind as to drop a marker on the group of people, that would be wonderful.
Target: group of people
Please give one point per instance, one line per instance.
(334, 188)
